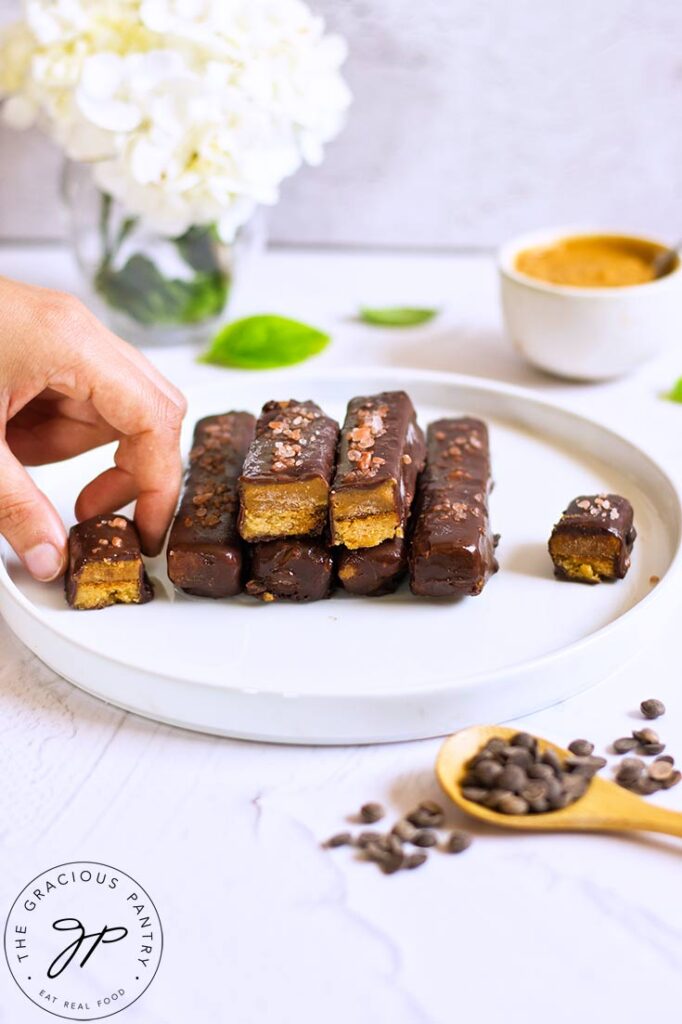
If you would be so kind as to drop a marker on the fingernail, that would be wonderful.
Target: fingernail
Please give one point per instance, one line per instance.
(44, 562)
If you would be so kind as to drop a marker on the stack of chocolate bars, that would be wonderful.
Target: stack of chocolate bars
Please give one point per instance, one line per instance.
(284, 502)
(286, 506)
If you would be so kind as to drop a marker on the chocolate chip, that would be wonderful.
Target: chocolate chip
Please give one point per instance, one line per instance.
(582, 748)
(424, 837)
(652, 708)
(512, 777)
(476, 794)
(649, 749)
(524, 739)
(659, 771)
(629, 770)
(625, 744)
(645, 735)
(415, 860)
(405, 830)
(645, 786)
(340, 839)
(457, 841)
(552, 759)
(486, 772)
(369, 813)
(510, 803)
(427, 814)
(365, 838)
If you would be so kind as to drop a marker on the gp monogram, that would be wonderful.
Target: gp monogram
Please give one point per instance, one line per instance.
(83, 940)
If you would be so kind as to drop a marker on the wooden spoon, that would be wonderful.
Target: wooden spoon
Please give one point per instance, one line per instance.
(604, 807)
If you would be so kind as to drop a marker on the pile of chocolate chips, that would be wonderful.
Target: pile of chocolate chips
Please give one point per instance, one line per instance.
(514, 777)
(388, 849)
(632, 772)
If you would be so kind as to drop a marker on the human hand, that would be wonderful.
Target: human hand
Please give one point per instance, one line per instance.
(67, 384)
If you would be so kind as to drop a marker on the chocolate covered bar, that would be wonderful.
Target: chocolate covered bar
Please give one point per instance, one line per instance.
(105, 564)
(593, 539)
(378, 439)
(373, 572)
(284, 486)
(205, 553)
(452, 550)
(292, 568)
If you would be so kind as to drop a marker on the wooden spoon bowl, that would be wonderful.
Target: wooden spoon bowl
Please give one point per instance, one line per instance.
(605, 807)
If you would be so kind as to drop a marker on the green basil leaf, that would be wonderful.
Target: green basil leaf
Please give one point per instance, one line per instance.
(675, 393)
(397, 316)
(264, 343)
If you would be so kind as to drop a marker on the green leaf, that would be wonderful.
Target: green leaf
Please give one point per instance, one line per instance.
(675, 393)
(397, 316)
(145, 295)
(198, 247)
(264, 343)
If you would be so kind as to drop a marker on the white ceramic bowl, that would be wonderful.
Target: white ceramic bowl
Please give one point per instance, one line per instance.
(587, 333)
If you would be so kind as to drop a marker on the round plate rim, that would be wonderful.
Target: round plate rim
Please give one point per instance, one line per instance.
(404, 376)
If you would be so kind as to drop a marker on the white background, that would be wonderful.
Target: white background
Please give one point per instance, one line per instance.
(473, 120)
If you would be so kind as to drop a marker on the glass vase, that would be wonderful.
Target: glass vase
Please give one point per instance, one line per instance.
(148, 288)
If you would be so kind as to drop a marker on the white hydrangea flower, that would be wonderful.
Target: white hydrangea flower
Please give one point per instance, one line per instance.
(191, 111)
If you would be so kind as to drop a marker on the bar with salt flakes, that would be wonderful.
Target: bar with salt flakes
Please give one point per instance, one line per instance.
(367, 504)
(284, 484)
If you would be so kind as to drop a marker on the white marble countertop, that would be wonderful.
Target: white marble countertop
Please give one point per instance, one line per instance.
(261, 925)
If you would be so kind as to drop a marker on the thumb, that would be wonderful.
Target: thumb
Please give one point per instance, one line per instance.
(29, 522)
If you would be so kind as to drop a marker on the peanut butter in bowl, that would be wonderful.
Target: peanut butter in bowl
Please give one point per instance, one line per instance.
(587, 304)
(592, 261)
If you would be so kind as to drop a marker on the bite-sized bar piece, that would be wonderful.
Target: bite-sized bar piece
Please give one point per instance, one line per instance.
(593, 539)
(105, 564)
(284, 486)
(205, 553)
(373, 572)
(292, 569)
(452, 550)
(379, 439)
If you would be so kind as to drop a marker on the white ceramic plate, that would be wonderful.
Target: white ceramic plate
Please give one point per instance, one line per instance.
(366, 670)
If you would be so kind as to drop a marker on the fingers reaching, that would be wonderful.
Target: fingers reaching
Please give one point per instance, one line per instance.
(29, 522)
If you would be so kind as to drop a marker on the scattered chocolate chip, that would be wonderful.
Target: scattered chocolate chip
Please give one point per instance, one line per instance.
(672, 780)
(649, 749)
(340, 839)
(428, 814)
(645, 735)
(415, 860)
(581, 748)
(404, 830)
(457, 841)
(652, 708)
(645, 786)
(369, 813)
(625, 744)
(629, 770)
(659, 771)
(365, 838)
(424, 837)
